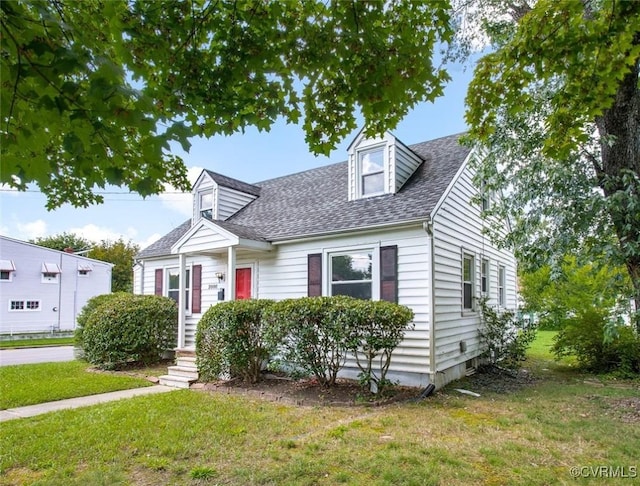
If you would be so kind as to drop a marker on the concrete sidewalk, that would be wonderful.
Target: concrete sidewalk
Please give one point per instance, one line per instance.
(33, 410)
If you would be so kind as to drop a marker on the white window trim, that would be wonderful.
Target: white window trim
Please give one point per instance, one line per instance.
(502, 286)
(375, 266)
(468, 254)
(53, 278)
(24, 305)
(10, 279)
(165, 284)
(199, 195)
(385, 168)
(487, 277)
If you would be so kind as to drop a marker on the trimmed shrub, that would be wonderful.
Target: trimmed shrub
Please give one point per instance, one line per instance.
(83, 317)
(230, 338)
(585, 336)
(310, 333)
(126, 328)
(375, 329)
(505, 337)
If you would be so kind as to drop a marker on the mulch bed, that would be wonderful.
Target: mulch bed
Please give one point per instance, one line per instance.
(308, 392)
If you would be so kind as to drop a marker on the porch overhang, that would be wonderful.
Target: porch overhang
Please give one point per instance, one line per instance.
(207, 236)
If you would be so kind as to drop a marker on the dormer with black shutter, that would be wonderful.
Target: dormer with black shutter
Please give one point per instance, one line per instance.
(379, 166)
(217, 197)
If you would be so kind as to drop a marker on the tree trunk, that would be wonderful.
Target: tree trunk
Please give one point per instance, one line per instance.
(619, 129)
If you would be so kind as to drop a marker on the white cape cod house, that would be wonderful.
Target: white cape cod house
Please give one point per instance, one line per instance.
(401, 216)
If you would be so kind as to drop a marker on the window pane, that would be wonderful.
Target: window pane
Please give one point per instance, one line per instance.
(372, 184)
(372, 161)
(173, 294)
(467, 269)
(467, 296)
(359, 290)
(354, 266)
(206, 200)
(174, 279)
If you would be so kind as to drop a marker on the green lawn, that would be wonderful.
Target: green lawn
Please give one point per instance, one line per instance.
(45, 382)
(532, 435)
(32, 343)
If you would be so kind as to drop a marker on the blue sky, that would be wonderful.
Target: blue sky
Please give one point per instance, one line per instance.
(251, 157)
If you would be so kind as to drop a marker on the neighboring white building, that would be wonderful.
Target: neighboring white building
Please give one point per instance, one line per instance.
(43, 290)
(393, 222)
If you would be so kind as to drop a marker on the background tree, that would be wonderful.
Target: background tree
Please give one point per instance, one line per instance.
(558, 296)
(121, 254)
(92, 92)
(557, 103)
(63, 241)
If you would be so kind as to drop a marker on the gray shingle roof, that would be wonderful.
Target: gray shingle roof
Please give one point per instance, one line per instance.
(315, 201)
(232, 183)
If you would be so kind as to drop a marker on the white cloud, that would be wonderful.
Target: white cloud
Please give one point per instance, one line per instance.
(181, 203)
(32, 230)
(97, 233)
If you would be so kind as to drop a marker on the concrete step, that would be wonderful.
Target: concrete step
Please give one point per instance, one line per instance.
(186, 362)
(187, 372)
(176, 381)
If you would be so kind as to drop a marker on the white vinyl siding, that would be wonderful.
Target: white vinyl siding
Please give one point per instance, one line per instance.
(231, 201)
(458, 228)
(406, 163)
(283, 274)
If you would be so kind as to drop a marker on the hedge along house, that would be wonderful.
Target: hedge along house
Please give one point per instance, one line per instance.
(43, 290)
(393, 222)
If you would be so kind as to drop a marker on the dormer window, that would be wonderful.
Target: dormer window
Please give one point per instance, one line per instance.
(371, 169)
(379, 165)
(205, 200)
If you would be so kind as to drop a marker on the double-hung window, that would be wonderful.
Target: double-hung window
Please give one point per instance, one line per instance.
(371, 171)
(502, 296)
(352, 274)
(173, 286)
(468, 281)
(205, 202)
(484, 276)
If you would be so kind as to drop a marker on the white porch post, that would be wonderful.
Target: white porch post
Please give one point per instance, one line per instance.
(181, 300)
(231, 273)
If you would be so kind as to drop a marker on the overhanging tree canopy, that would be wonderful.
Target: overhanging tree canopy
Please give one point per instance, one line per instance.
(557, 103)
(93, 91)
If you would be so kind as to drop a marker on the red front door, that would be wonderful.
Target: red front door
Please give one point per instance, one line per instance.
(243, 283)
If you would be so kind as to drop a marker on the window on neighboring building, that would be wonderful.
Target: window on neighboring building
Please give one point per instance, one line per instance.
(24, 305)
(468, 286)
(33, 304)
(16, 305)
(173, 285)
(502, 297)
(50, 273)
(484, 276)
(205, 201)
(352, 274)
(7, 268)
(371, 168)
(84, 269)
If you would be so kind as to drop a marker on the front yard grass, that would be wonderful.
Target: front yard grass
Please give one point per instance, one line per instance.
(33, 343)
(30, 384)
(528, 435)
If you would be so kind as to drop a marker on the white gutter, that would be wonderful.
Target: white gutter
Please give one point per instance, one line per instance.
(361, 229)
(428, 227)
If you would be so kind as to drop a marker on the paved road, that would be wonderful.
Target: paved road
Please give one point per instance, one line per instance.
(35, 355)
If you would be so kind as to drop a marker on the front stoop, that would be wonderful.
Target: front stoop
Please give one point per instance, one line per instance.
(182, 374)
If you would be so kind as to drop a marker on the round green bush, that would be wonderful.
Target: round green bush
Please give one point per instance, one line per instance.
(92, 304)
(126, 329)
(230, 338)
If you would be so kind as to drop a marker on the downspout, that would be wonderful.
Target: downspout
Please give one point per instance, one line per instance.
(59, 293)
(428, 227)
